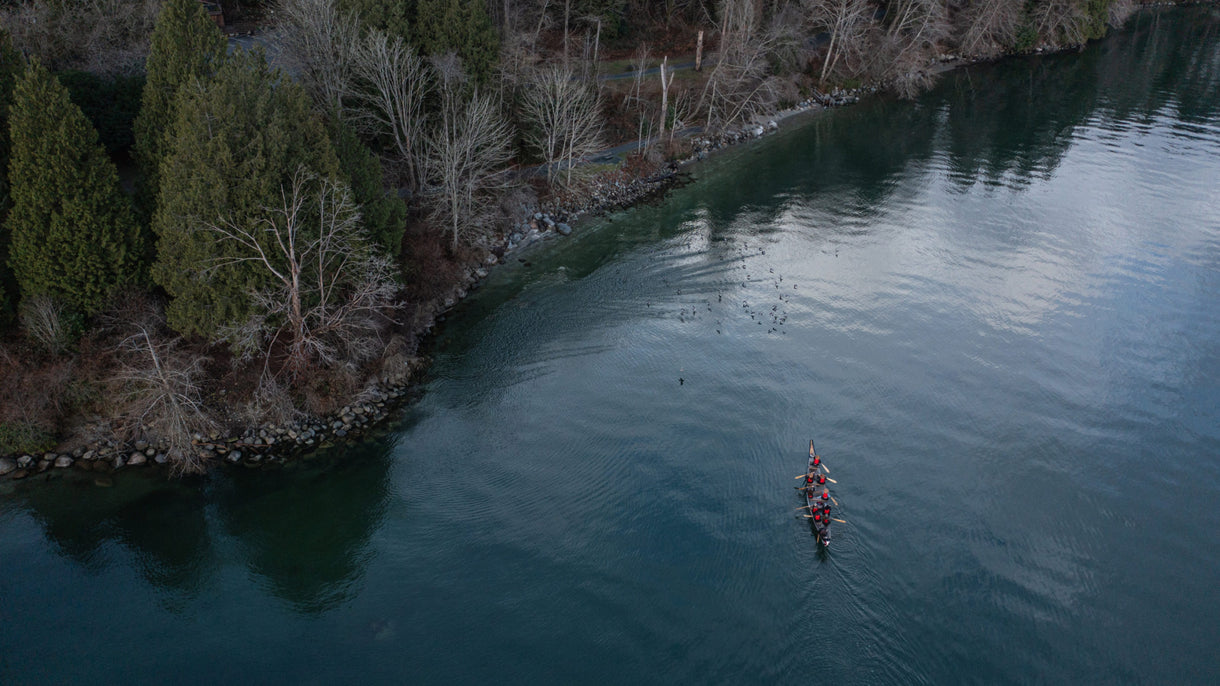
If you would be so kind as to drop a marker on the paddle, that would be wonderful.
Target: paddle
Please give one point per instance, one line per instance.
(838, 520)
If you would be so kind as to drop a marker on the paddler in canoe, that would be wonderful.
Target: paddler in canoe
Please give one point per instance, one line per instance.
(820, 507)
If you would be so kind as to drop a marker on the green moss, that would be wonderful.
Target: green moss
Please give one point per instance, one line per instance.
(20, 437)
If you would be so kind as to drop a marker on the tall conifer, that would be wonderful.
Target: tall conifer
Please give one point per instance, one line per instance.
(384, 213)
(388, 15)
(73, 233)
(10, 68)
(462, 27)
(236, 141)
(185, 44)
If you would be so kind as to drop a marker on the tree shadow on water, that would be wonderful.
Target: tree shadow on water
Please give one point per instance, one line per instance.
(305, 529)
(163, 524)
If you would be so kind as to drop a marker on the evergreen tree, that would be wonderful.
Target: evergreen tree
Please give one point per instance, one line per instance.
(461, 27)
(73, 233)
(387, 15)
(185, 44)
(110, 102)
(10, 67)
(384, 213)
(234, 146)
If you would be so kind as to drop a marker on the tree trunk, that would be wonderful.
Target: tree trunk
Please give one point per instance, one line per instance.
(567, 11)
(830, 51)
(597, 41)
(664, 97)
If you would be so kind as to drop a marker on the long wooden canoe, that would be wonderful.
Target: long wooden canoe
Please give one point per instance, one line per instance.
(813, 501)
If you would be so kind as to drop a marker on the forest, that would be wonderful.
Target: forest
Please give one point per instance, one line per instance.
(197, 238)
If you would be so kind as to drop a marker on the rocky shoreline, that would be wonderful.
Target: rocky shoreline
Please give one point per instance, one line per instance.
(274, 445)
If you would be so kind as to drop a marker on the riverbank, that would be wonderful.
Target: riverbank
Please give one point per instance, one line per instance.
(273, 444)
(260, 445)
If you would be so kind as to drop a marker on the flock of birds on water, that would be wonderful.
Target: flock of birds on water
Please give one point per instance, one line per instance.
(774, 318)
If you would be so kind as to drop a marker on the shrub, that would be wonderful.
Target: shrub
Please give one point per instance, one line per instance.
(49, 324)
(1027, 39)
(21, 437)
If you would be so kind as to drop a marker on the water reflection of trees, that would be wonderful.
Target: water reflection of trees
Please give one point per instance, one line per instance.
(1006, 124)
(1013, 121)
(304, 529)
(163, 524)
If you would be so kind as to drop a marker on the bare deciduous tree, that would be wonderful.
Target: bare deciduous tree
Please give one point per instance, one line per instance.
(913, 30)
(593, 61)
(328, 288)
(319, 44)
(391, 87)
(102, 36)
(848, 22)
(1120, 11)
(634, 99)
(741, 83)
(563, 117)
(989, 26)
(467, 150)
(1060, 21)
(163, 387)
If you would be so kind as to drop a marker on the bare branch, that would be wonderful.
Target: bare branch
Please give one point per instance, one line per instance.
(989, 26)
(327, 288)
(741, 83)
(163, 385)
(467, 150)
(319, 44)
(390, 89)
(563, 117)
(102, 36)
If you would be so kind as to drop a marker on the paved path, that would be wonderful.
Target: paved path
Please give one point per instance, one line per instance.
(647, 72)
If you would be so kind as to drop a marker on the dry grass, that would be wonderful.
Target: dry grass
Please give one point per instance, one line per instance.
(49, 324)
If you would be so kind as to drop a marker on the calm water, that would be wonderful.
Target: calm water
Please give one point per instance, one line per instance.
(995, 309)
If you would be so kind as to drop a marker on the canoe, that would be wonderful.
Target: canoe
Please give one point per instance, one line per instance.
(813, 501)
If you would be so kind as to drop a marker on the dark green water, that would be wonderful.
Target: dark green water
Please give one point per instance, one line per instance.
(995, 309)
